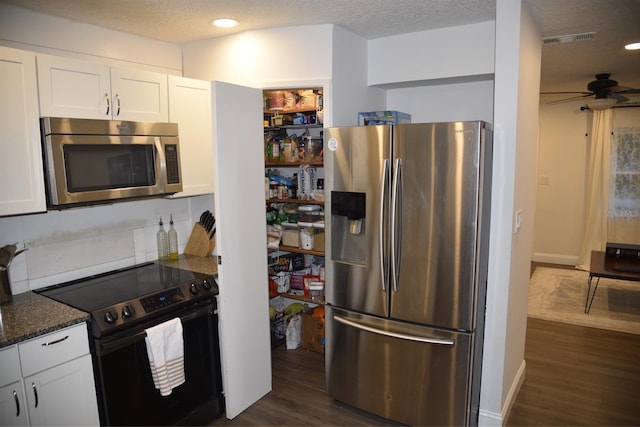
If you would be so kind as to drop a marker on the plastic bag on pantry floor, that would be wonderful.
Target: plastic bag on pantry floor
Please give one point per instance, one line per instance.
(294, 332)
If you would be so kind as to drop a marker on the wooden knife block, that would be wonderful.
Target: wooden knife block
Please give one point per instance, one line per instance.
(199, 243)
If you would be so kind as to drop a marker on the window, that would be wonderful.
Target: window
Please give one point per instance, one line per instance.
(625, 170)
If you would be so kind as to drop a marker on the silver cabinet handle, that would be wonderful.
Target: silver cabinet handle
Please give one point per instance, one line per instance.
(45, 344)
(428, 340)
(106, 97)
(117, 105)
(383, 195)
(15, 397)
(35, 393)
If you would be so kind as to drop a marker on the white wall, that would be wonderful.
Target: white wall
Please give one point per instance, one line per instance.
(445, 53)
(517, 80)
(27, 30)
(350, 93)
(561, 182)
(252, 57)
(442, 103)
(524, 205)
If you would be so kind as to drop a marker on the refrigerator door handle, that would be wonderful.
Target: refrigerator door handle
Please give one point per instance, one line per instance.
(396, 222)
(417, 338)
(383, 196)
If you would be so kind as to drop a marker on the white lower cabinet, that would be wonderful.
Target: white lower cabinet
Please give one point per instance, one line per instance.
(48, 381)
(64, 395)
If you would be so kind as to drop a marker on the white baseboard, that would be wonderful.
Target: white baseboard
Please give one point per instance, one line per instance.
(555, 258)
(494, 419)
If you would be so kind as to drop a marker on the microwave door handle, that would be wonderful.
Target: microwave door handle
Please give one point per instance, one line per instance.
(162, 166)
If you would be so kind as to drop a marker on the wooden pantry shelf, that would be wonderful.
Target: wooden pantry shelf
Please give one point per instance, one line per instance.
(268, 164)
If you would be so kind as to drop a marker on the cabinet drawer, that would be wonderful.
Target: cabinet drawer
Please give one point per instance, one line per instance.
(9, 365)
(53, 349)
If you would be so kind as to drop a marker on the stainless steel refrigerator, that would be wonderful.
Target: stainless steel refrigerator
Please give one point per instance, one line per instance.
(406, 267)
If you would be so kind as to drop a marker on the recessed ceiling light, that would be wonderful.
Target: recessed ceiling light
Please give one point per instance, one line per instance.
(633, 46)
(225, 22)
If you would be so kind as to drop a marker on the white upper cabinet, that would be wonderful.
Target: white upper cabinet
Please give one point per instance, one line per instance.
(190, 107)
(21, 161)
(86, 90)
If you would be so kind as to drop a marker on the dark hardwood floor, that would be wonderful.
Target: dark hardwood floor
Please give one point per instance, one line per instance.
(298, 397)
(575, 376)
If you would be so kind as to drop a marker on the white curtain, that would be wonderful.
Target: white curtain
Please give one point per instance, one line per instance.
(597, 195)
(613, 182)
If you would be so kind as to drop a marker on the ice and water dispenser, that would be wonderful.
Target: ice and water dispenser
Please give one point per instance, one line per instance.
(348, 216)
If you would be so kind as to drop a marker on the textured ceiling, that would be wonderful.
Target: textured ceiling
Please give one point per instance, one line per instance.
(567, 66)
(181, 21)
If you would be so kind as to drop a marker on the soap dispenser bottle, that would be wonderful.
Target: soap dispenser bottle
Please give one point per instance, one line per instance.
(163, 242)
(173, 240)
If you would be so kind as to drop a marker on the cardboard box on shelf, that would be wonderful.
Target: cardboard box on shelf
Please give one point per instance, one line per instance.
(318, 240)
(313, 329)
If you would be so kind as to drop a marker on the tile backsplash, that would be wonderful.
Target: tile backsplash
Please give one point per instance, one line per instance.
(74, 243)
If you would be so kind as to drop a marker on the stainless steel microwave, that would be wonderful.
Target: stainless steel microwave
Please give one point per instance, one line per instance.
(99, 161)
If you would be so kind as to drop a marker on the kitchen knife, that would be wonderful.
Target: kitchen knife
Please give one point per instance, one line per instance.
(213, 229)
(206, 225)
(203, 217)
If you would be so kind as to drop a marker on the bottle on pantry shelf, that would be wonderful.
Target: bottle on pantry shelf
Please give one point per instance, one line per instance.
(172, 234)
(302, 149)
(295, 155)
(294, 186)
(281, 150)
(273, 190)
(268, 153)
(275, 150)
(163, 242)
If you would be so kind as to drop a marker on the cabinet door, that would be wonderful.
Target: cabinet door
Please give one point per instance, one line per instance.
(64, 395)
(139, 95)
(190, 107)
(73, 88)
(22, 189)
(13, 410)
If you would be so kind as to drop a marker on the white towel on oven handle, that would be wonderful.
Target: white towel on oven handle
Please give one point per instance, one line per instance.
(165, 349)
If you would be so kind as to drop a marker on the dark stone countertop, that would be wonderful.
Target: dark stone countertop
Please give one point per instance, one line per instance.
(29, 315)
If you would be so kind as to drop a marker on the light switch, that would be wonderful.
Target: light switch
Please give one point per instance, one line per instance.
(518, 221)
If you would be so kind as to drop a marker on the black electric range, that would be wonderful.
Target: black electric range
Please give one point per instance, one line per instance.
(125, 297)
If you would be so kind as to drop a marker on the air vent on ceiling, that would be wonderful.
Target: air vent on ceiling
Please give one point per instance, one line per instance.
(568, 38)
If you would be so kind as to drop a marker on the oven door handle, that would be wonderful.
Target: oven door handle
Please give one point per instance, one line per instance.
(108, 346)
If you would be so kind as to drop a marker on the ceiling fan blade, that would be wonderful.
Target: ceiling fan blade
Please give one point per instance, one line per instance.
(629, 90)
(618, 97)
(565, 93)
(560, 101)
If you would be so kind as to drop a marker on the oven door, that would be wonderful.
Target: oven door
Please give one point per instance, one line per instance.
(126, 390)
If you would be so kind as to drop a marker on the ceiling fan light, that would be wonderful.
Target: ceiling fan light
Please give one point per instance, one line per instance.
(633, 46)
(601, 103)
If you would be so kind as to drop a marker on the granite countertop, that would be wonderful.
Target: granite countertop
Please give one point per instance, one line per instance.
(29, 315)
(204, 265)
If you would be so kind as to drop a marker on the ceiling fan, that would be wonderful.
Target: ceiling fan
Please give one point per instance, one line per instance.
(603, 91)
